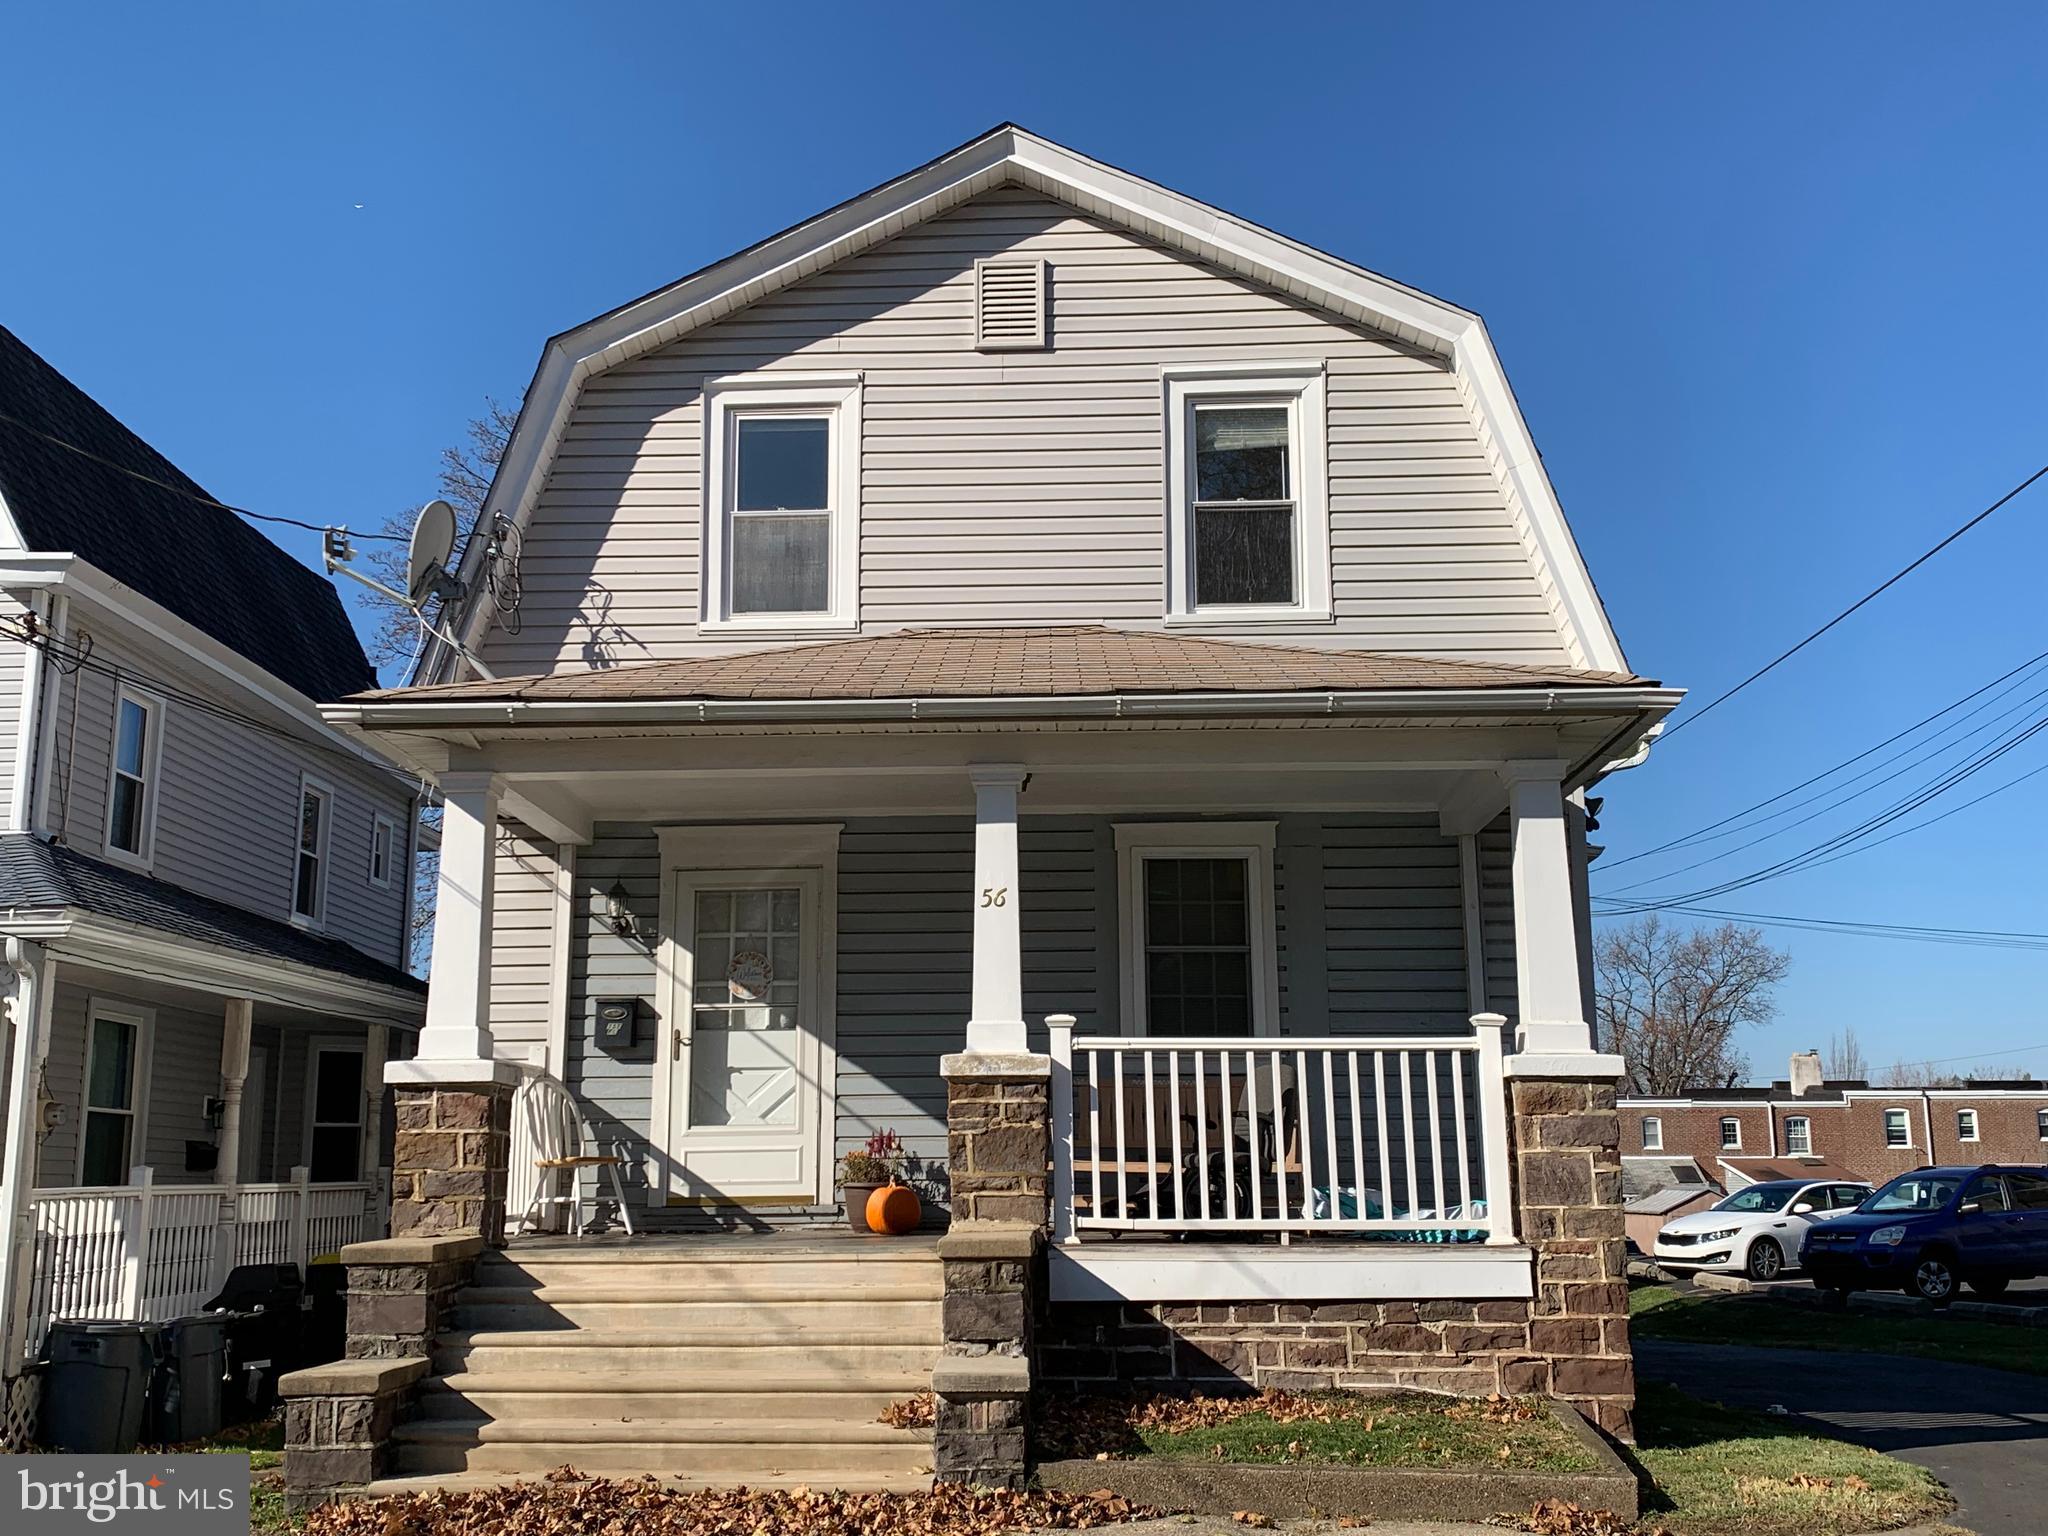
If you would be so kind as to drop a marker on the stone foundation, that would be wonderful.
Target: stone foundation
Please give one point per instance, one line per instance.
(398, 1289)
(449, 1154)
(998, 1136)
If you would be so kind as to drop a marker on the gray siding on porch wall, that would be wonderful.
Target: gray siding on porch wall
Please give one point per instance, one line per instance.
(1370, 926)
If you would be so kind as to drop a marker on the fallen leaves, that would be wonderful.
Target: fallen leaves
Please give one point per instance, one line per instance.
(919, 1412)
(1561, 1517)
(572, 1505)
(1252, 1518)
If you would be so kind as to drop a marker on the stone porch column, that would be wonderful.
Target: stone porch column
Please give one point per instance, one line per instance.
(453, 1100)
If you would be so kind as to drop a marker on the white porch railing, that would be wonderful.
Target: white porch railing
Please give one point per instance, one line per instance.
(149, 1252)
(1396, 1138)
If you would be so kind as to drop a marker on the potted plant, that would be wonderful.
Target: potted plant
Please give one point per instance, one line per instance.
(865, 1170)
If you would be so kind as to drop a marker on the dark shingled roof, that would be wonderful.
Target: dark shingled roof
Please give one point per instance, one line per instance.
(205, 565)
(1073, 660)
(35, 875)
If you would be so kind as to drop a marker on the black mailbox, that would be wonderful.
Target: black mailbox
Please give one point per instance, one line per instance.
(618, 1020)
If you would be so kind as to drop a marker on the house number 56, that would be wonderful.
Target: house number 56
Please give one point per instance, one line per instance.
(995, 895)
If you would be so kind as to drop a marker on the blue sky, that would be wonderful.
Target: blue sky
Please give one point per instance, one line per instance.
(1768, 282)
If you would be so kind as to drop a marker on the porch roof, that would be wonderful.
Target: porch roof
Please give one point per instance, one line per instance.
(1074, 661)
(48, 878)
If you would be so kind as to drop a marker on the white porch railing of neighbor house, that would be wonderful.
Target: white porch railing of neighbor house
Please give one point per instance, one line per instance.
(1399, 1139)
(147, 1252)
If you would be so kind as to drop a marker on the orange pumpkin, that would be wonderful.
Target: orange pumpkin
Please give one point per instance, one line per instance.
(894, 1209)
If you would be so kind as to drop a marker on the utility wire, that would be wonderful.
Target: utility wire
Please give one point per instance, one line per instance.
(179, 490)
(1874, 592)
(1701, 833)
(1981, 938)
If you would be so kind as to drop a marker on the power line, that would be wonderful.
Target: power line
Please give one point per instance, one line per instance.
(1701, 833)
(1981, 938)
(179, 490)
(1874, 592)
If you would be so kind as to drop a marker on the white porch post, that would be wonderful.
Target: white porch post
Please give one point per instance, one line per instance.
(236, 1020)
(1552, 1008)
(458, 1026)
(997, 1022)
(28, 1015)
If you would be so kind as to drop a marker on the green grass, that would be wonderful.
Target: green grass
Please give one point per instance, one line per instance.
(1719, 1472)
(1703, 1317)
(263, 1443)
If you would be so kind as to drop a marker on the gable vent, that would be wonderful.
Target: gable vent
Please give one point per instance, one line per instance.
(1009, 304)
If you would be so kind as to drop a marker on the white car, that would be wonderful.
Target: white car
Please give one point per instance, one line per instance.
(1757, 1230)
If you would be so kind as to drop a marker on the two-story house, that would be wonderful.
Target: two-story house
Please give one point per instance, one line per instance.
(1026, 621)
(205, 888)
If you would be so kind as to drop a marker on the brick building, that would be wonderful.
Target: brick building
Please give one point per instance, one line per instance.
(1807, 1124)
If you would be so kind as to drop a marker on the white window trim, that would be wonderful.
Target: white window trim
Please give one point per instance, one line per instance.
(1800, 1120)
(1252, 841)
(1976, 1125)
(1303, 385)
(838, 395)
(1653, 1123)
(2041, 1124)
(308, 785)
(143, 858)
(1885, 1128)
(1726, 1144)
(339, 1045)
(144, 1022)
(384, 826)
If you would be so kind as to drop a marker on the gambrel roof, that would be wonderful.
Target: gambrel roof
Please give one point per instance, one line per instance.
(1009, 155)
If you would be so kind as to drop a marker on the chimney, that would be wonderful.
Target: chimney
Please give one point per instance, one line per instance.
(1806, 1074)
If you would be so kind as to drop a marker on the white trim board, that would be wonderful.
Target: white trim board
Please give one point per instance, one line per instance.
(1350, 1272)
(1013, 156)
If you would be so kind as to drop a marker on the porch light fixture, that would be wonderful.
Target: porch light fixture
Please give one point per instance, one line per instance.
(618, 911)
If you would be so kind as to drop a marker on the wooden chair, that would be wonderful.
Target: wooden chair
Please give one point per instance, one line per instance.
(548, 1130)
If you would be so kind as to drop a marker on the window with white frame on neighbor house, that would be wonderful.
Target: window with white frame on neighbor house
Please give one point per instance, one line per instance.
(2041, 1124)
(1898, 1128)
(1731, 1133)
(1249, 525)
(131, 787)
(383, 841)
(1798, 1136)
(309, 868)
(334, 1127)
(110, 1140)
(1653, 1134)
(1966, 1125)
(783, 488)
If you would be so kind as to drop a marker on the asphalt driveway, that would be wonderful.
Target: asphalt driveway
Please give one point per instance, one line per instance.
(1982, 1432)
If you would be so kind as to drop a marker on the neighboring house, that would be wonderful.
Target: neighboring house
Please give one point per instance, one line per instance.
(204, 888)
(1805, 1126)
(1023, 591)
(1654, 1189)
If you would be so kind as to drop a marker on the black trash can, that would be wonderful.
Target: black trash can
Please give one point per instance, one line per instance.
(96, 1386)
(185, 1397)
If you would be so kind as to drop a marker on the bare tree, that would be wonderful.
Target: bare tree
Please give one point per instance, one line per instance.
(464, 481)
(1845, 1058)
(1927, 1074)
(1671, 1000)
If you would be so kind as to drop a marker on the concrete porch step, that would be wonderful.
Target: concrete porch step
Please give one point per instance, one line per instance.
(664, 1359)
(566, 1395)
(498, 1310)
(740, 1449)
(734, 1280)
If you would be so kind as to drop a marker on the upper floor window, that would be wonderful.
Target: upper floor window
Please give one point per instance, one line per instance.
(383, 844)
(1966, 1125)
(1731, 1133)
(1248, 521)
(131, 784)
(1799, 1135)
(1898, 1128)
(1653, 1134)
(309, 869)
(782, 538)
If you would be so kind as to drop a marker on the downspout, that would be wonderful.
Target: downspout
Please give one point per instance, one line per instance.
(28, 1012)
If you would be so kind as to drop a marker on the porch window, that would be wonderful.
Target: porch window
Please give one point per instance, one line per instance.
(131, 826)
(309, 874)
(1966, 1125)
(1199, 928)
(1653, 1133)
(1245, 471)
(1731, 1134)
(334, 1122)
(783, 490)
(110, 1140)
(1799, 1136)
(1898, 1129)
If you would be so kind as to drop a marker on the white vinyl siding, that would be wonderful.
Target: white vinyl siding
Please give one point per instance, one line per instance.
(522, 954)
(13, 670)
(1028, 486)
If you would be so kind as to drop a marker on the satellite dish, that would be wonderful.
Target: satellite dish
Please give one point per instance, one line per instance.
(433, 541)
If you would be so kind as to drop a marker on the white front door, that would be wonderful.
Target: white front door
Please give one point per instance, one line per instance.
(743, 1047)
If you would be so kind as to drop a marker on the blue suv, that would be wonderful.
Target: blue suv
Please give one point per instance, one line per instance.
(1931, 1229)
